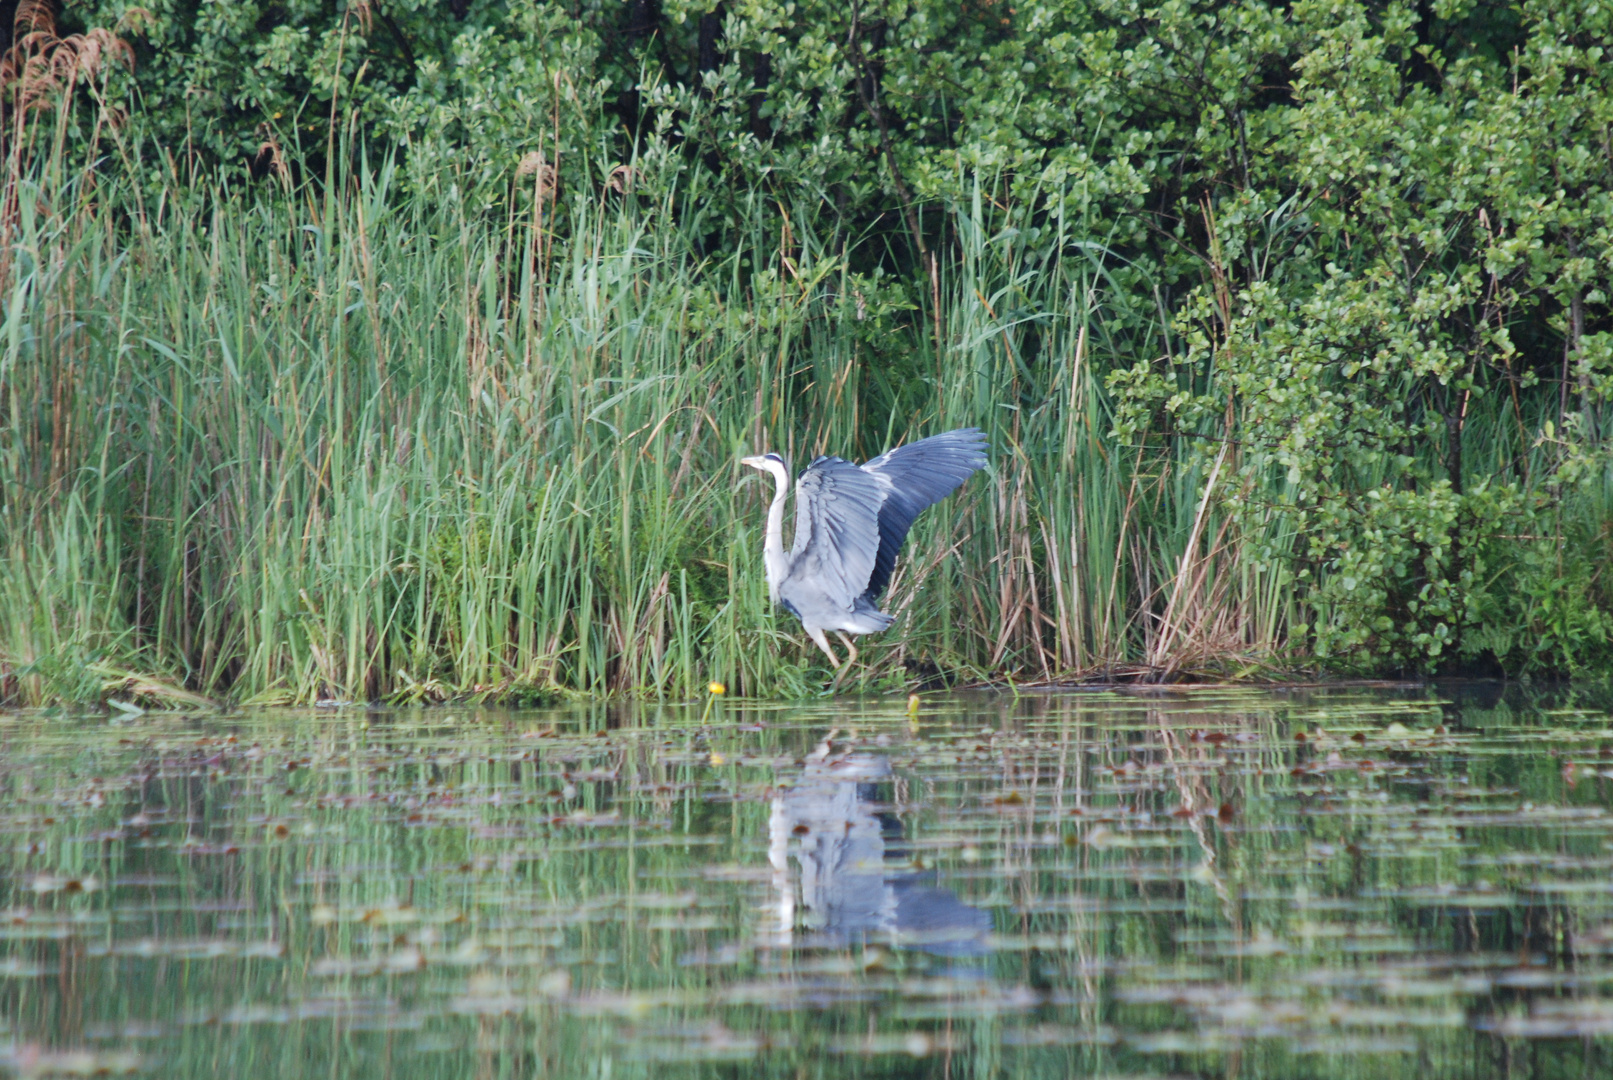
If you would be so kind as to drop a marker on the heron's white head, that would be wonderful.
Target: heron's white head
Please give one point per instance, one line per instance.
(771, 463)
(768, 463)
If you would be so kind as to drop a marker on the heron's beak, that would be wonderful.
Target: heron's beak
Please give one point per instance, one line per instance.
(754, 462)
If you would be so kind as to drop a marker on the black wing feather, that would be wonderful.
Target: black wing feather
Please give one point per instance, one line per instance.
(917, 476)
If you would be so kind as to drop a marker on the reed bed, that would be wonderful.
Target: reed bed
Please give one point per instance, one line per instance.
(277, 443)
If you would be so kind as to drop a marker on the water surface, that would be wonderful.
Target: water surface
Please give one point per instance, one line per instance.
(1332, 884)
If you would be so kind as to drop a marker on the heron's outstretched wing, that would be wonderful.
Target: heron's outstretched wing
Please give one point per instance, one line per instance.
(836, 535)
(915, 477)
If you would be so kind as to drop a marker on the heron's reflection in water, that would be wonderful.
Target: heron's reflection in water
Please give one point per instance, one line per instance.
(847, 892)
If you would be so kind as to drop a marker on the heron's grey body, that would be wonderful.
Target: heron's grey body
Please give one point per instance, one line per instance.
(850, 523)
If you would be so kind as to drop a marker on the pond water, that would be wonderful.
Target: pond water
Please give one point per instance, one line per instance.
(1340, 883)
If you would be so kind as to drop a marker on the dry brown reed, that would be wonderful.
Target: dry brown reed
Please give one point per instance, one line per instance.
(40, 63)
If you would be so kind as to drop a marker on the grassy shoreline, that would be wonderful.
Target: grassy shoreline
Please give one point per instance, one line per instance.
(283, 449)
(348, 443)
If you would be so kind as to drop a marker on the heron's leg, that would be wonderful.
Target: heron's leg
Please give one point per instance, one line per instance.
(840, 670)
(823, 643)
(851, 658)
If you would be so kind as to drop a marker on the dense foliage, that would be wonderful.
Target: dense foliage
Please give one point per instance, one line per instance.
(1320, 290)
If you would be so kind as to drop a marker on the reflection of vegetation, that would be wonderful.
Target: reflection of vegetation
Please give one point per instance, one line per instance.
(1178, 886)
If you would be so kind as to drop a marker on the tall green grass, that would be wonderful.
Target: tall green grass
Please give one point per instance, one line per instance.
(353, 443)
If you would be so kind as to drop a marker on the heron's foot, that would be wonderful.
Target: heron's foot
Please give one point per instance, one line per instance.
(840, 674)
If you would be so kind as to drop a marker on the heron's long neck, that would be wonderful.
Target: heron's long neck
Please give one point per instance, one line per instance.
(773, 546)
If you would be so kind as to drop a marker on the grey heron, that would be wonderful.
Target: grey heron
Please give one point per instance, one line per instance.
(850, 523)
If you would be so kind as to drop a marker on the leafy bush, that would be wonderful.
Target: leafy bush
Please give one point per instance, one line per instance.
(1418, 247)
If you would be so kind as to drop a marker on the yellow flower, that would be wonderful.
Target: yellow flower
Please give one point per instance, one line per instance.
(717, 688)
(716, 758)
